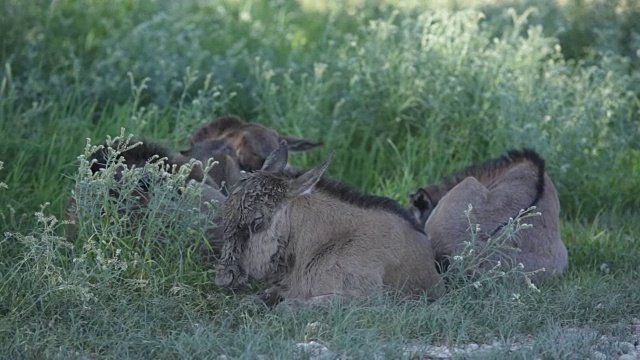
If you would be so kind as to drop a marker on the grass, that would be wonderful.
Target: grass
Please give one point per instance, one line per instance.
(404, 94)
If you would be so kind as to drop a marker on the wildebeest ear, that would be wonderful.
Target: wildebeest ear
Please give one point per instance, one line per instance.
(304, 183)
(297, 144)
(278, 159)
(421, 200)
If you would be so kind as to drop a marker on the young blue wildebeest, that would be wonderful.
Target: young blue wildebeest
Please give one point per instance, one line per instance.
(497, 189)
(251, 142)
(139, 156)
(315, 238)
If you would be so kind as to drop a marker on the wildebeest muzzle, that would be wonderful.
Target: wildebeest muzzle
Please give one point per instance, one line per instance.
(231, 276)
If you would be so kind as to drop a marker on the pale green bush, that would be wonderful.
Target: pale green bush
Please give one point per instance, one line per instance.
(117, 233)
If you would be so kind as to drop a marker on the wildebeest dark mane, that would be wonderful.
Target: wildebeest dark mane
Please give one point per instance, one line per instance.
(139, 155)
(351, 195)
(500, 164)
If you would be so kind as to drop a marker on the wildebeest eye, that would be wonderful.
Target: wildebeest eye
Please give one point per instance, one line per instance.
(256, 222)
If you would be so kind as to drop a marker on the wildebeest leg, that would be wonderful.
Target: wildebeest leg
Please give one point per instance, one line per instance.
(552, 265)
(330, 279)
(272, 296)
(492, 209)
(324, 299)
(448, 226)
(294, 304)
(516, 190)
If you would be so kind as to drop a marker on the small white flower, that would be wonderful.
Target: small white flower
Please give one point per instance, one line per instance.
(531, 285)
(245, 16)
(267, 75)
(318, 70)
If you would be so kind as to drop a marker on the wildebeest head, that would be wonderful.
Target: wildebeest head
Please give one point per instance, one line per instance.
(251, 142)
(148, 153)
(251, 207)
(421, 205)
(227, 170)
(133, 157)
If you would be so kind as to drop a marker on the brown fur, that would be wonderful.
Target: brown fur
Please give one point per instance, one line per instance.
(227, 170)
(497, 189)
(315, 238)
(138, 157)
(251, 142)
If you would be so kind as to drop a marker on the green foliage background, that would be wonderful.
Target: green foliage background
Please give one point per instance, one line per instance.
(405, 94)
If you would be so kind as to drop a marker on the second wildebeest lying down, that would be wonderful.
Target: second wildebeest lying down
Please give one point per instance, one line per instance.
(497, 189)
(316, 239)
(147, 153)
(251, 142)
(237, 145)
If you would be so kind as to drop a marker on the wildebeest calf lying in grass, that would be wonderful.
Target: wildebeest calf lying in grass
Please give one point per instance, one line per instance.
(497, 190)
(251, 142)
(316, 239)
(137, 197)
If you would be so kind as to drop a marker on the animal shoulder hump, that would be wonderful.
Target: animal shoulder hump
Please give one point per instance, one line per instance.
(351, 195)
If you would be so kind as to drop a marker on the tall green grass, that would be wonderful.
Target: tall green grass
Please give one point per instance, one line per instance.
(405, 94)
